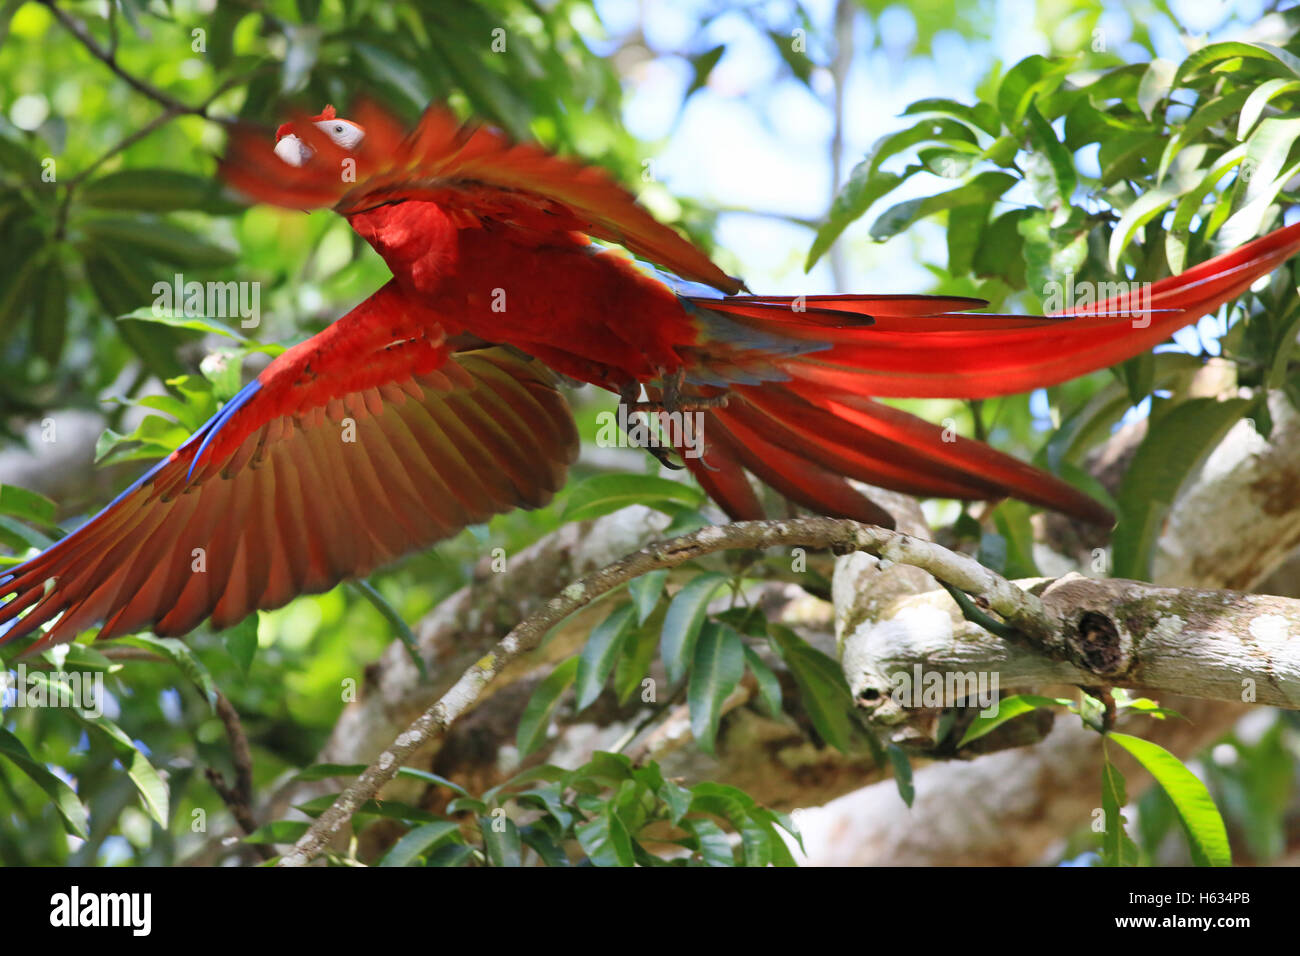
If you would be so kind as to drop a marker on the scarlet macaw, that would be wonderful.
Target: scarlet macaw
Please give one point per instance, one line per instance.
(457, 418)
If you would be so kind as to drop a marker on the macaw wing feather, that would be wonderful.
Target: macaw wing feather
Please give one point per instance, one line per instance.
(317, 475)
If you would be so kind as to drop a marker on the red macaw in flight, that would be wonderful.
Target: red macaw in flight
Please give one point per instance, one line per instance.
(444, 373)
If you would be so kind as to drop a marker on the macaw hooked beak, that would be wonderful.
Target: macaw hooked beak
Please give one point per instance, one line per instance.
(292, 150)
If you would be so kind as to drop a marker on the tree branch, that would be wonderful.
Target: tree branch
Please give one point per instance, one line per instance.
(239, 797)
(1219, 645)
(1019, 608)
(1232, 524)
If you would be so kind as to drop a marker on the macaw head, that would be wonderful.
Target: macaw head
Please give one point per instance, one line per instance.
(345, 134)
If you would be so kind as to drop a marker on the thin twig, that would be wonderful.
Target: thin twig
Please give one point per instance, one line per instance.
(172, 107)
(158, 122)
(239, 798)
(109, 58)
(1017, 607)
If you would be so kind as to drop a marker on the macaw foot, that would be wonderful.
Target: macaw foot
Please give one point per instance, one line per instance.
(629, 401)
(672, 400)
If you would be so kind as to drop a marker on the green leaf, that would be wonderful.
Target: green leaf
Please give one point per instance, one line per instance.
(224, 369)
(1157, 83)
(1145, 208)
(718, 666)
(769, 687)
(604, 769)
(541, 842)
(197, 323)
(853, 200)
(1002, 151)
(1203, 118)
(419, 842)
(711, 841)
(79, 657)
(902, 773)
(537, 715)
(1167, 455)
(703, 65)
(1051, 256)
(66, 802)
(149, 784)
(50, 317)
(1147, 706)
(981, 116)
(677, 798)
(414, 773)
(224, 19)
(966, 225)
(395, 620)
(1262, 177)
(981, 190)
(1092, 422)
(161, 436)
(1009, 708)
(450, 854)
(684, 520)
(392, 72)
(602, 494)
(28, 505)
(605, 840)
(823, 691)
(22, 281)
(1259, 98)
(1043, 137)
(634, 665)
(154, 190)
(999, 254)
(1196, 810)
(500, 839)
(161, 240)
(1176, 239)
(929, 131)
(466, 805)
(185, 660)
(549, 798)
(1274, 58)
(241, 642)
(1117, 849)
(799, 64)
(682, 624)
(749, 620)
(1032, 77)
(645, 592)
(1138, 375)
(948, 163)
(122, 284)
(600, 654)
(173, 406)
(19, 536)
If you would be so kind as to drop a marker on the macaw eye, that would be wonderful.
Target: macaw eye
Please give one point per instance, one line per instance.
(338, 129)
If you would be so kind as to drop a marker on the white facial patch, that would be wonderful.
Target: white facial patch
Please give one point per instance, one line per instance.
(292, 150)
(345, 134)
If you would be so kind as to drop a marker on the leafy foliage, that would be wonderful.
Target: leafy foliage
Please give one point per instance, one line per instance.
(1079, 165)
(608, 812)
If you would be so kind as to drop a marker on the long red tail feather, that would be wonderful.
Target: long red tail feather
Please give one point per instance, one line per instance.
(922, 347)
